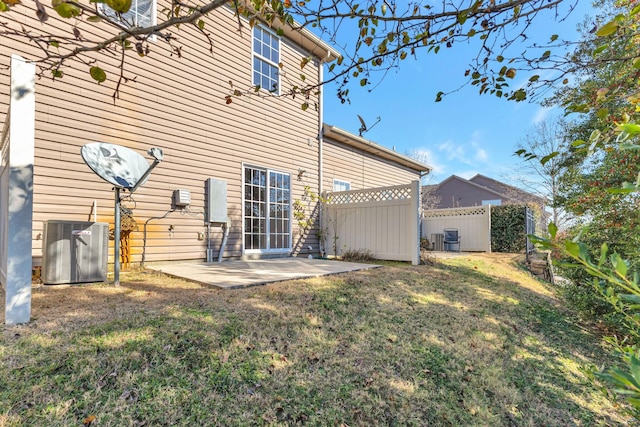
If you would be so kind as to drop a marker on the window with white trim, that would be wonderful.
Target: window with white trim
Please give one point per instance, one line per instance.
(266, 210)
(496, 202)
(141, 14)
(339, 185)
(266, 60)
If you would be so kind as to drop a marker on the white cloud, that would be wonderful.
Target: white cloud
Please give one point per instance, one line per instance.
(469, 153)
(481, 155)
(429, 158)
(468, 174)
(541, 114)
(453, 151)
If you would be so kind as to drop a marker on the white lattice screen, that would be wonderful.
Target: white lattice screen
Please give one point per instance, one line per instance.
(371, 195)
(445, 213)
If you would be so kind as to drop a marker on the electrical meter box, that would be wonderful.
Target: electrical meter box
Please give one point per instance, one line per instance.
(215, 200)
(74, 252)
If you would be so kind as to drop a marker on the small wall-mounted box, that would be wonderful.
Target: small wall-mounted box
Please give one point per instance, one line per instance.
(181, 198)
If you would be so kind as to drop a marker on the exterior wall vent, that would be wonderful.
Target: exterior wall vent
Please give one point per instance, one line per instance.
(74, 252)
(181, 198)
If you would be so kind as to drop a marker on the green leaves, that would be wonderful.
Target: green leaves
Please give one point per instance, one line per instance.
(626, 382)
(120, 6)
(607, 29)
(548, 157)
(519, 95)
(627, 188)
(98, 74)
(630, 128)
(66, 10)
(620, 265)
(602, 113)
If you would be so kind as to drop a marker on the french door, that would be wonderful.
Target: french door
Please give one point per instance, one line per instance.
(267, 210)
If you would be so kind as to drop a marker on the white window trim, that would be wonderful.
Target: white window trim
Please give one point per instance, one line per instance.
(267, 222)
(268, 61)
(493, 202)
(341, 181)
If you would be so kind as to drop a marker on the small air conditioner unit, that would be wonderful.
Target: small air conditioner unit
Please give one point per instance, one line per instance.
(74, 252)
(437, 241)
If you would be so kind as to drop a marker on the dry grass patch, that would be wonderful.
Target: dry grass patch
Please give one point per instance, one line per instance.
(467, 341)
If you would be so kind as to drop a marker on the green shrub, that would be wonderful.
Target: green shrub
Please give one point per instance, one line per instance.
(579, 291)
(508, 228)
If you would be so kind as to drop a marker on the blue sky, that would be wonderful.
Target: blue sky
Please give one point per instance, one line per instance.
(465, 133)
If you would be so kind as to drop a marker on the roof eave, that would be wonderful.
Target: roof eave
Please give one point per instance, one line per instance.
(352, 140)
(300, 35)
(310, 42)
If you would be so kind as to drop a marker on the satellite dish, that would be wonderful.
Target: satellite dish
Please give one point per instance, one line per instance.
(125, 169)
(363, 125)
(120, 166)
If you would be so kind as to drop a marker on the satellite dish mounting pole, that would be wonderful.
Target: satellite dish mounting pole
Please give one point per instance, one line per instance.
(116, 238)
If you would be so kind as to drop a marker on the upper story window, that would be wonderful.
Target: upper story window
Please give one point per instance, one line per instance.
(341, 185)
(266, 57)
(141, 14)
(496, 202)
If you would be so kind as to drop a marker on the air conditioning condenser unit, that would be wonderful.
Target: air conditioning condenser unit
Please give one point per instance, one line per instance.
(74, 252)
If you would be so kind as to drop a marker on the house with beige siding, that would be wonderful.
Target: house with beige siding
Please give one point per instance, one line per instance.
(265, 148)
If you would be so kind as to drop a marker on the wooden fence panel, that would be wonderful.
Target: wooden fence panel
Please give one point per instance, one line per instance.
(383, 220)
(473, 224)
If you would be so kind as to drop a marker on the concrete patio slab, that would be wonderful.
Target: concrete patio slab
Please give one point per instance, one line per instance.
(241, 274)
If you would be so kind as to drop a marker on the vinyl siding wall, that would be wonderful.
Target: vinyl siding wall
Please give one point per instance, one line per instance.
(360, 168)
(176, 104)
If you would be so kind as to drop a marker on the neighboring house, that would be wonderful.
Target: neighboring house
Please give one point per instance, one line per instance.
(267, 149)
(455, 192)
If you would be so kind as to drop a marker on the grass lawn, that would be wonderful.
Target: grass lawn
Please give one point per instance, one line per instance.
(472, 340)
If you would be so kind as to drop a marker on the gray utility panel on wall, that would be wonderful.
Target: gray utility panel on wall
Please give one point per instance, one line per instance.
(74, 252)
(215, 200)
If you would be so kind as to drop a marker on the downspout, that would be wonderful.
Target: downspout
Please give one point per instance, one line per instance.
(421, 208)
(320, 127)
(321, 247)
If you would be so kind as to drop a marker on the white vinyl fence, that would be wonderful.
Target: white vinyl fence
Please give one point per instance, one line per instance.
(16, 193)
(384, 221)
(473, 224)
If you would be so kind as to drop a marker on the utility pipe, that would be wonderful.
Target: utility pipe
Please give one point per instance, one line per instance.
(116, 238)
